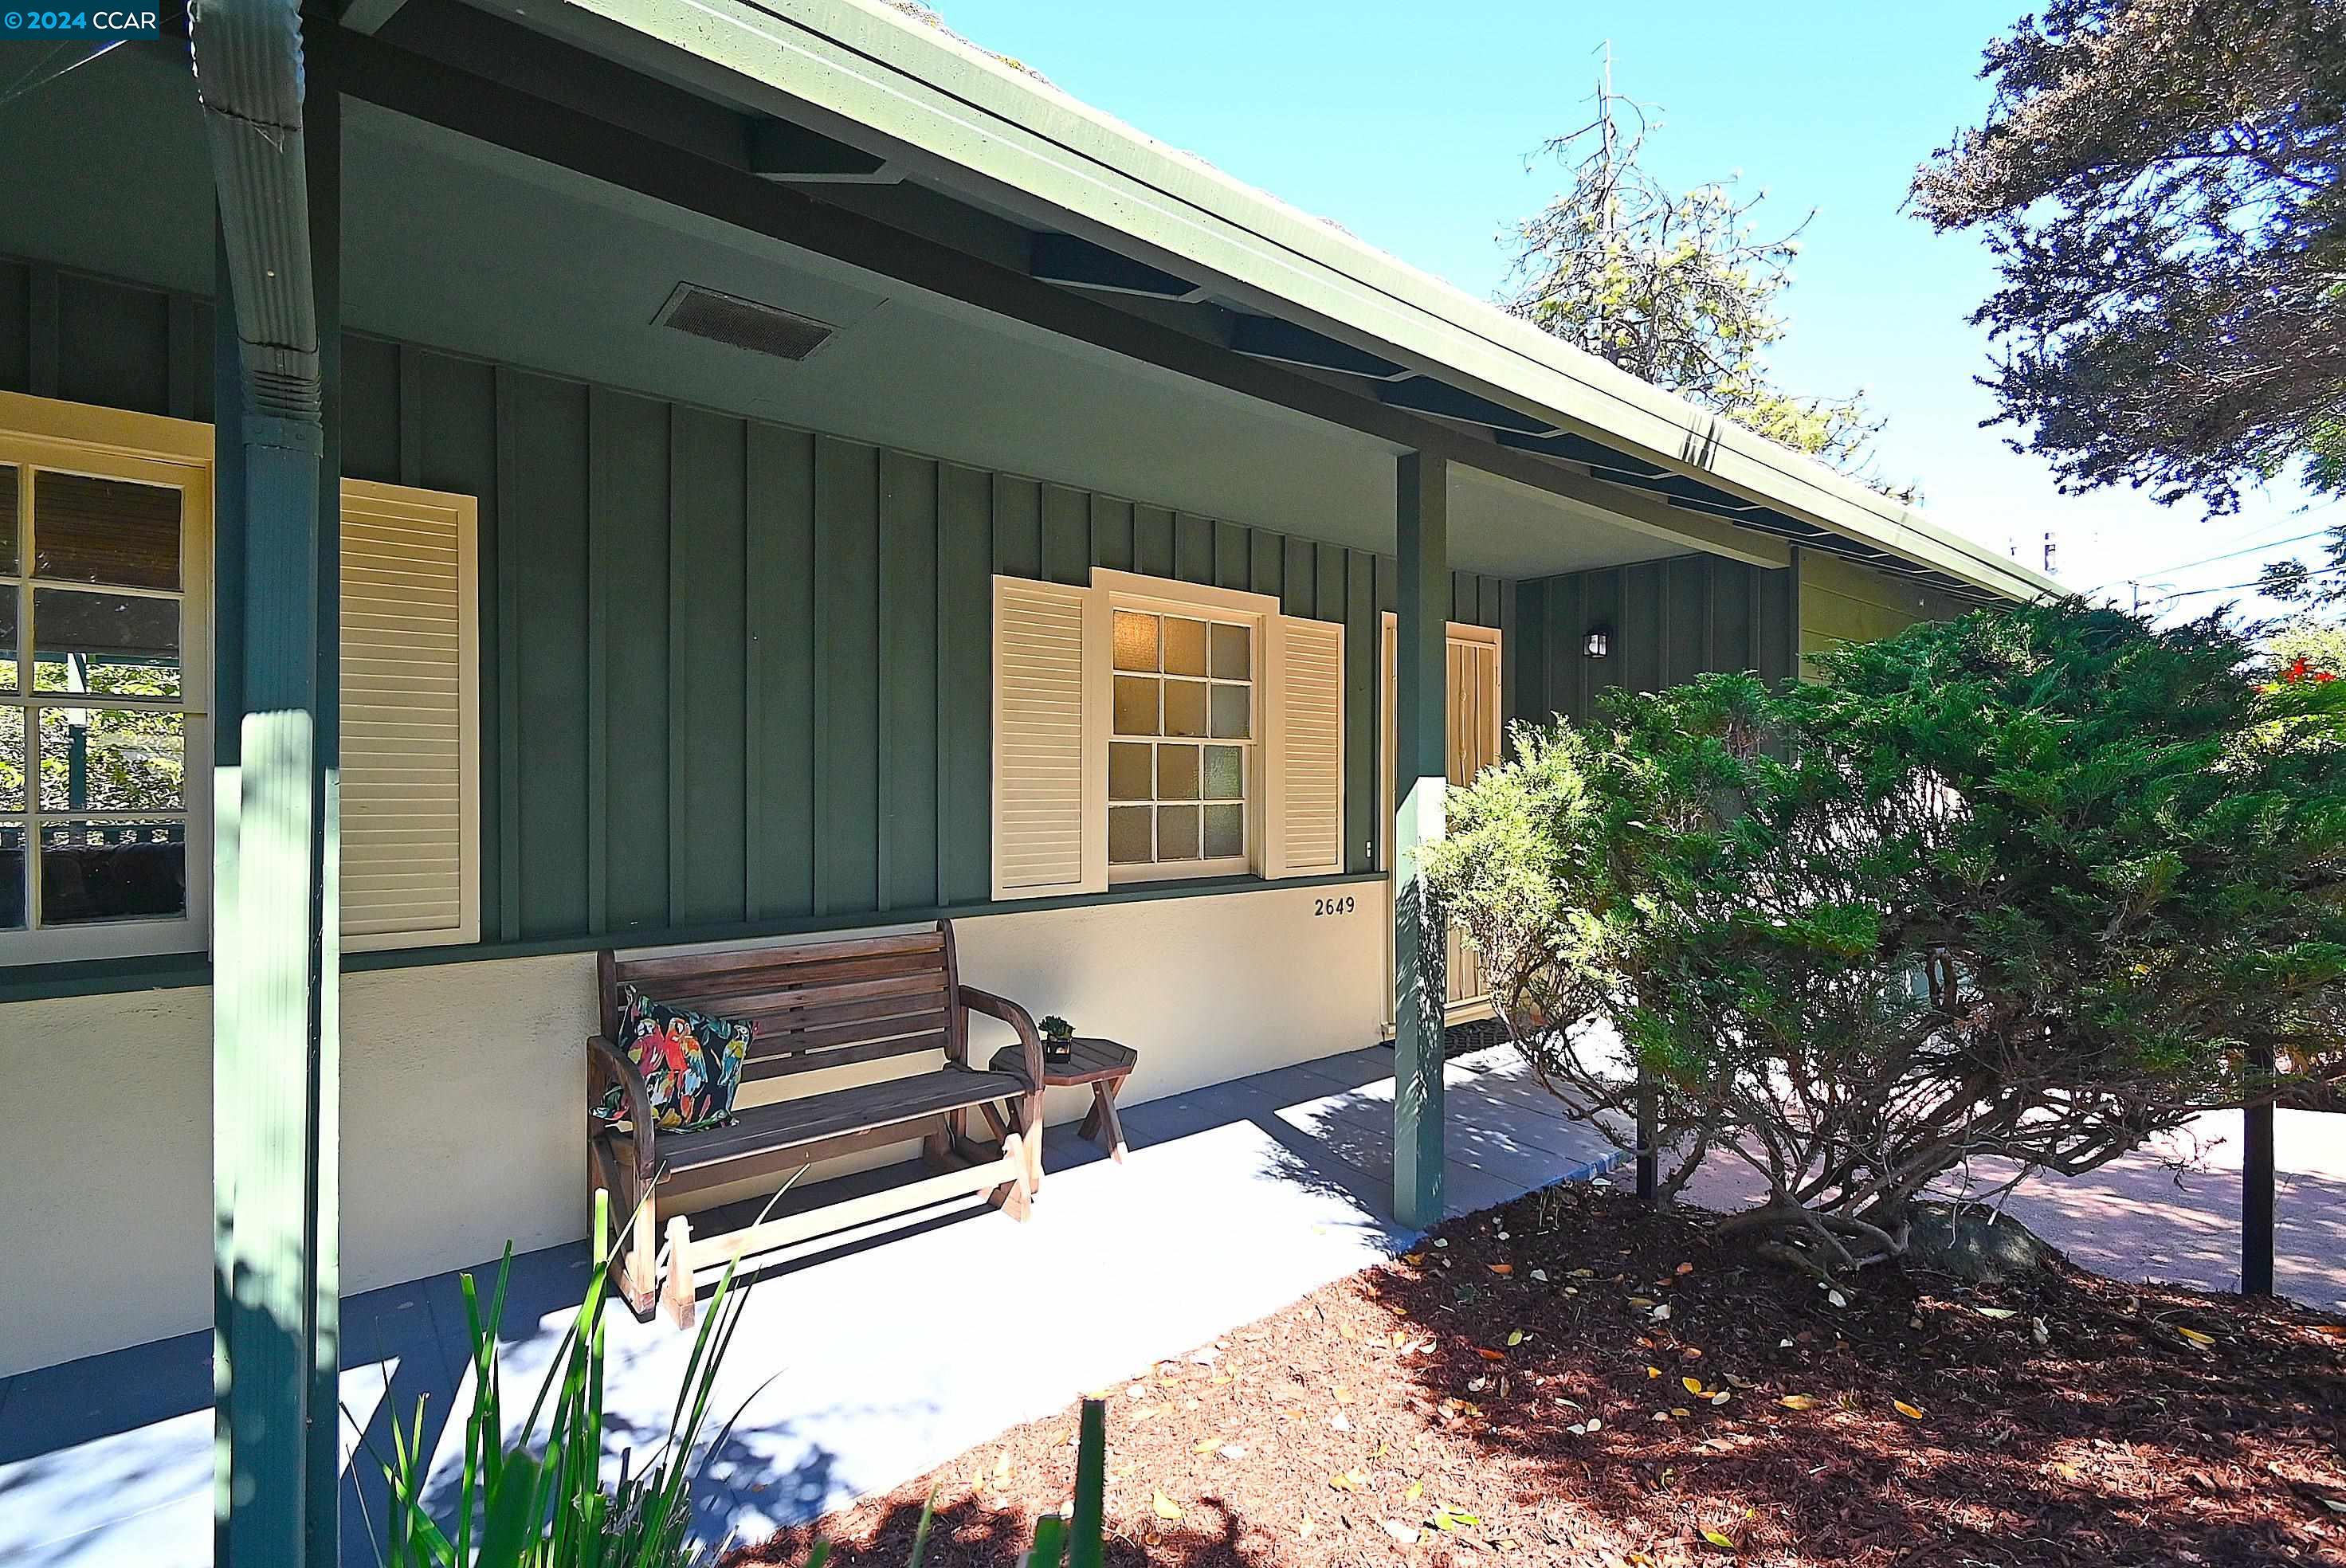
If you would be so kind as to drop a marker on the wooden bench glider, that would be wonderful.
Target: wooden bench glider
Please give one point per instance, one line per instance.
(811, 1006)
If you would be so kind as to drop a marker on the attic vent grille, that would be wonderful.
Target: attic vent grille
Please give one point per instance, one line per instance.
(744, 323)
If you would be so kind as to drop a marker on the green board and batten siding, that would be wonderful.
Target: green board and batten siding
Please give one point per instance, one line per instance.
(1666, 621)
(1672, 619)
(733, 673)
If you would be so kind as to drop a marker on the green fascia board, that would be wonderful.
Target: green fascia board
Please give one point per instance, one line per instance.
(976, 120)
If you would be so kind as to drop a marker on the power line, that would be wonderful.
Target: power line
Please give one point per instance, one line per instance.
(2209, 560)
(2248, 550)
(2251, 583)
(2317, 504)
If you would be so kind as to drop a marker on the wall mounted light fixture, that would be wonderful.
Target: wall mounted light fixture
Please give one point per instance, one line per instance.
(1600, 642)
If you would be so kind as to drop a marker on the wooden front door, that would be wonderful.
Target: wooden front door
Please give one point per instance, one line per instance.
(1476, 725)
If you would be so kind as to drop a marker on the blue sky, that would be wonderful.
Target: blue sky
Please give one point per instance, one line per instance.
(1409, 124)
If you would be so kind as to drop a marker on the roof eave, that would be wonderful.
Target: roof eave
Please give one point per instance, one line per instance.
(959, 111)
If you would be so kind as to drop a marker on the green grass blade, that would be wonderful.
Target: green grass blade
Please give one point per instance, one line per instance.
(1050, 1542)
(692, 1395)
(921, 1533)
(475, 1461)
(510, 1530)
(1085, 1546)
(414, 1524)
(716, 1443)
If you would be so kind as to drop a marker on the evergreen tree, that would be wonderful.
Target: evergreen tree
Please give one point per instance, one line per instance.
(2033, 886)
(1678, 288)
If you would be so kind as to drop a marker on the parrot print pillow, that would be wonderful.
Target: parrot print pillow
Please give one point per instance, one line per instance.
(691, 1062)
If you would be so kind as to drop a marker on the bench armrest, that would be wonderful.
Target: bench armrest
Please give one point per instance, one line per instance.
(613, 1062)
(1030, 1040)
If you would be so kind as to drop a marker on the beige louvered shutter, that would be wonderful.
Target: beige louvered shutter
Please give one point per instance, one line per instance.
(1050, 740)
(411, 718)
(1304, 767)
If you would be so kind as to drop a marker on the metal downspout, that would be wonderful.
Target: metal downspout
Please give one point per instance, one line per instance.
(249, 79)
(276, 1052)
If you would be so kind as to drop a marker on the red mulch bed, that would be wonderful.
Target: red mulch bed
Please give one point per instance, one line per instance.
(1452, 1380)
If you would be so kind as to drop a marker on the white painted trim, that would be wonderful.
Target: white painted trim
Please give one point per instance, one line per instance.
(178, 453)
(1134, 591)
(115, 432)
(1184, 870)
(169, 453)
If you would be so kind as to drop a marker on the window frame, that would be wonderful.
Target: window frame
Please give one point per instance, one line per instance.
(40, 433)
(1199, 601)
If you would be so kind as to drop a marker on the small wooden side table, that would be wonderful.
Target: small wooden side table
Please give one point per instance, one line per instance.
(1102, 1063)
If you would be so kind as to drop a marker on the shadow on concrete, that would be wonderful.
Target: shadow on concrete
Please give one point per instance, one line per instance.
(862, 1362)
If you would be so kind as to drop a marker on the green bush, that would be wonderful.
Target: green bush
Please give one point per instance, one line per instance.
(2036, 884)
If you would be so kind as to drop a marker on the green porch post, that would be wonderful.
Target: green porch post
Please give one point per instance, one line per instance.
(1421, 761)
(276, 1077)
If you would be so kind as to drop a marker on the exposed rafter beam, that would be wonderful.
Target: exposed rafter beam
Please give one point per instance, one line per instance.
(1076, 263)
(1425, 395)
(369, 15)
(780, 150)
(1284, 342)
(1575, 448)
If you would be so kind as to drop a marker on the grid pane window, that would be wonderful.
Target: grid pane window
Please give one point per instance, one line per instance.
(93, 709)
(1184, 718)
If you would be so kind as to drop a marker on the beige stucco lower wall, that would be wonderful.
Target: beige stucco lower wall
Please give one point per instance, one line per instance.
(1207, 989)
(462, 1124)
(460, 1130)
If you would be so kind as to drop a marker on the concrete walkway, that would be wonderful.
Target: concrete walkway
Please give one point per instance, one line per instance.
(2172, 1212)
(892, 1353)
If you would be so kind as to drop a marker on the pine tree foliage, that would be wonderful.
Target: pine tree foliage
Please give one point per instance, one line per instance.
(2026, 888)
(2160, 182)
(1678, 288)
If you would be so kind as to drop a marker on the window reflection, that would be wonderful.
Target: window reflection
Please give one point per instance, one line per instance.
(113, 644)
(12, 877)
(109, 531)
(112, 870)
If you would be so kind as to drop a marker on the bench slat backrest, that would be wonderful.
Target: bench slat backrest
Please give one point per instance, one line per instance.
(812, 1004)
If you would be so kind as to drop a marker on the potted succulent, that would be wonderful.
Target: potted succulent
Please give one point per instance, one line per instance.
(1058, 1040)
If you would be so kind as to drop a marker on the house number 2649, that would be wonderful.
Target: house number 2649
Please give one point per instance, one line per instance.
(1333, 906)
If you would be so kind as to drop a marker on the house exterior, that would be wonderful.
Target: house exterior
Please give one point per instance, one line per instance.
(777, 470)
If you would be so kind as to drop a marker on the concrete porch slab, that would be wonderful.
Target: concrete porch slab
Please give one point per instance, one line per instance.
(863, 1363)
